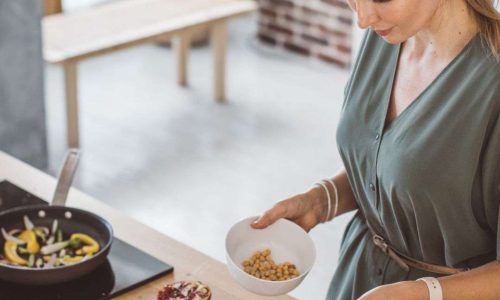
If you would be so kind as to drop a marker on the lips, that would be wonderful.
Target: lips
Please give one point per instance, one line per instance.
(383, 32)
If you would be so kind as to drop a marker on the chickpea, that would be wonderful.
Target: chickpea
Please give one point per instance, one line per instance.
(261, 265)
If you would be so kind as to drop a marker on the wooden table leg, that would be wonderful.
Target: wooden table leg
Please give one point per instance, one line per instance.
(71, 88)
(218, 36)
(181, 46)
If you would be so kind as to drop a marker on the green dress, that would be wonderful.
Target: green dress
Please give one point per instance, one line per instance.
(429, 182)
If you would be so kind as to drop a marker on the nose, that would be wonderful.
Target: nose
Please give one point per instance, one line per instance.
(366, 14)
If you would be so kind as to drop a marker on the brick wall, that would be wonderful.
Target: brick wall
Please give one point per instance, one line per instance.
(317, 28)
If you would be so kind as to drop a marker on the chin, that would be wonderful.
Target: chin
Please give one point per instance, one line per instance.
(393, 38)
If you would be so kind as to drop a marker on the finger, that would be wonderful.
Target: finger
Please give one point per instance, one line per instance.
(279, 210)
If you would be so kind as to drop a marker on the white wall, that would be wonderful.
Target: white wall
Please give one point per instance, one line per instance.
(357, 36)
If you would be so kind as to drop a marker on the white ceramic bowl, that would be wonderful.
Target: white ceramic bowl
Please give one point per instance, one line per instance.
(287, 242)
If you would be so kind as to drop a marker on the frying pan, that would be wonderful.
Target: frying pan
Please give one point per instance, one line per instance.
(70, 220)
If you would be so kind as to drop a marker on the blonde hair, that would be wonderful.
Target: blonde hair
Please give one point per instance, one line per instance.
(488, 22)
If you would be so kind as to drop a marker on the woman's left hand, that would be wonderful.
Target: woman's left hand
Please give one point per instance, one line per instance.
(407, 290)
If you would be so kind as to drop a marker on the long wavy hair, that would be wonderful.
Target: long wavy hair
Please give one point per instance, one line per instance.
(488, 20)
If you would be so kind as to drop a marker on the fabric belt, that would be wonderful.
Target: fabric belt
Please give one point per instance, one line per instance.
(405, 262)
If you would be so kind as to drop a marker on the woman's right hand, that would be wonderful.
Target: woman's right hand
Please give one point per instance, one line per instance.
(306, 210)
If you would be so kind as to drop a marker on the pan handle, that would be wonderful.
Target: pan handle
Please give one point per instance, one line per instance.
(66, 177)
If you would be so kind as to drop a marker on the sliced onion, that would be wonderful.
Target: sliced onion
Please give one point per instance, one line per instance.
(14, 231)
(39, 263)
(51, 239)
(53, 248)
(51, 262)
(62, 253)
(12, 238)
(27, 223)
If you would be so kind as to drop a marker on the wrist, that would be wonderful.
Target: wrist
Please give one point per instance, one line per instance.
(317, 198)
(408, 290)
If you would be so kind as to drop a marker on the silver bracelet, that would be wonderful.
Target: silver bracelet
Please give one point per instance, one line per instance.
(322, 184)
(434, 287)
(336, 206)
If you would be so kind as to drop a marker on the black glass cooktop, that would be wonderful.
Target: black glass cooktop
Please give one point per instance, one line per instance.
(126, 267)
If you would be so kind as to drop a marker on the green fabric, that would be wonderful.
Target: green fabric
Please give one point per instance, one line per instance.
(435, 169)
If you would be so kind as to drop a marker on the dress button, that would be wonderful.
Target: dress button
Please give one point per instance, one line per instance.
(380, 272)
(377, 137)
(372, 187)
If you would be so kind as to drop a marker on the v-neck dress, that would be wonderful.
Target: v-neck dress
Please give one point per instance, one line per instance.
(429, 182)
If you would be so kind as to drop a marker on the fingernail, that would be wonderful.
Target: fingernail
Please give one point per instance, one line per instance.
(256, 221)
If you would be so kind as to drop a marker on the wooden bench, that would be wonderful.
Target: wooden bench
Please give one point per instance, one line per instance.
(71, 38)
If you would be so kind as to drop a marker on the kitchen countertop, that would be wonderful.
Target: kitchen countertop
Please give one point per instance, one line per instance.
(189, 264)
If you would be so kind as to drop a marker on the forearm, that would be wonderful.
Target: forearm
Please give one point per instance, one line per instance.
(480, 283)
(346, 201)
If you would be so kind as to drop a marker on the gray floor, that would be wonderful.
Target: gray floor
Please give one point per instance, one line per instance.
(175, 160)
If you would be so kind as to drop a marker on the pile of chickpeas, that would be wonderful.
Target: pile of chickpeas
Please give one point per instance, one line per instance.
(261, 265)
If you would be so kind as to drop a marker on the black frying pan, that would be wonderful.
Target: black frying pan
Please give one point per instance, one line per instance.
(70, 220)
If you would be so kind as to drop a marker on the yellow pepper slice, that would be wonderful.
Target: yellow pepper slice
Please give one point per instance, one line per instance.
(9, 249)
(92, 246)
(29, 237)
(72, 260)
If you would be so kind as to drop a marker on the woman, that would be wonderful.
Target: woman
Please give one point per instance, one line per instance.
(420, 140)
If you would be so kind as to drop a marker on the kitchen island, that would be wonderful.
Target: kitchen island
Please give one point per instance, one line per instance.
(189, 264)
